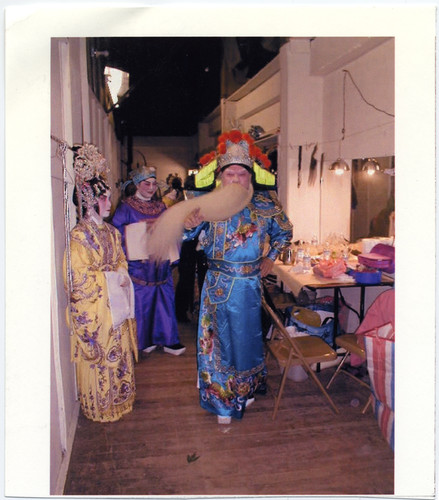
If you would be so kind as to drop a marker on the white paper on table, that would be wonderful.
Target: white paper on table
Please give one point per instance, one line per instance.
(136, 242)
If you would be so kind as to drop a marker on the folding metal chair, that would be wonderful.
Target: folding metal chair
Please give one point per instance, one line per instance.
(277, 299)
(349, 343)
(291, 351)
(379, 314)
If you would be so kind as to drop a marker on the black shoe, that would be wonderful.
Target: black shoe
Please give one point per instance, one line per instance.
(175, 349)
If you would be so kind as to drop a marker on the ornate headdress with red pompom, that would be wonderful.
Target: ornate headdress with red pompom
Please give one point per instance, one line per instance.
(235, 148)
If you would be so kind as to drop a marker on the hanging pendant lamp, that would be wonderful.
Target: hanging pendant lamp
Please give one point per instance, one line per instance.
(371, 166)
(339, 166)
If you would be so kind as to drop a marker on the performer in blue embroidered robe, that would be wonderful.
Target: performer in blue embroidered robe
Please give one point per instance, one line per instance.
(230, 352)
(153, 283)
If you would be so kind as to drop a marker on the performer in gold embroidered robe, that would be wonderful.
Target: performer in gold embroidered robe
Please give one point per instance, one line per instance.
(101, 312)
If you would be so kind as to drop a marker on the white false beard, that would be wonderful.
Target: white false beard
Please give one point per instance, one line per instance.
(218, 205)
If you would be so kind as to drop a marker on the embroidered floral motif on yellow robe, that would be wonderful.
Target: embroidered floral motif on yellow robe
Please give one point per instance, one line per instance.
(103, 355)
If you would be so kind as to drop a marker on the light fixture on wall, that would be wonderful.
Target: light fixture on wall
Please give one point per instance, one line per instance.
(339, 166)
(371, 166)
(118, 85)
(99, 53)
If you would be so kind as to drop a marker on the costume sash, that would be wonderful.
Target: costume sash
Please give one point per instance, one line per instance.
(220, 291)
(235, 269)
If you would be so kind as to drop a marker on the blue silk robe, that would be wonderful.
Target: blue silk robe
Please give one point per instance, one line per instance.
(230, 352)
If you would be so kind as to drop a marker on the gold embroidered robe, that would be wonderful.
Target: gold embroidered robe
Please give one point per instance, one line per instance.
(103, 355)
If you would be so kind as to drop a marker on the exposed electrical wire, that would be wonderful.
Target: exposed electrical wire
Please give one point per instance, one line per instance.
(346, 72)
(333, 141)
(343, 130)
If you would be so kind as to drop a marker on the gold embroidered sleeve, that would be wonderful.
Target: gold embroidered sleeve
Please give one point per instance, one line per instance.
(89, 311)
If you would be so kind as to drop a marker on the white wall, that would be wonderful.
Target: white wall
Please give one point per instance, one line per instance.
(170, 155)
(314, 113)
(76, 117)
(301, 124)
(261, 106)
(368, 132)
(64, 408)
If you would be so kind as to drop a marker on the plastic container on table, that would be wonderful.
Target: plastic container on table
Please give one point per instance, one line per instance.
(371, 277)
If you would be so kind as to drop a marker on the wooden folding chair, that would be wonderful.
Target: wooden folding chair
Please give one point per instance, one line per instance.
(292, 351)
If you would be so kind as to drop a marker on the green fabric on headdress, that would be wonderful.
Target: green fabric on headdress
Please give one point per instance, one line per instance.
(263, 176)
(206, 176)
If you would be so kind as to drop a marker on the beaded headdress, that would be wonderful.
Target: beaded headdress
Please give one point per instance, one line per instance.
(235, 148)
(235, 154)
(89, 165)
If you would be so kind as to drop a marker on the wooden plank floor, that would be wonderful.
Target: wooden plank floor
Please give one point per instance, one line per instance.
(307, 450)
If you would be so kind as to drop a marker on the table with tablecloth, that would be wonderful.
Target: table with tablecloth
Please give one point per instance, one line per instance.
(296, 281)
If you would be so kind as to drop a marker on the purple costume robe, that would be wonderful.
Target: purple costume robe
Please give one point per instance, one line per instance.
(153, 284)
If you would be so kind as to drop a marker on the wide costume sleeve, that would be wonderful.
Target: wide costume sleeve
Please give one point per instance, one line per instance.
(280, 229)
(120, 219)
(122, 265)
(121, 260)
(280, 237)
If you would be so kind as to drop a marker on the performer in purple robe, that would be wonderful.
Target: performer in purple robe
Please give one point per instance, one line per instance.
(153, 283)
